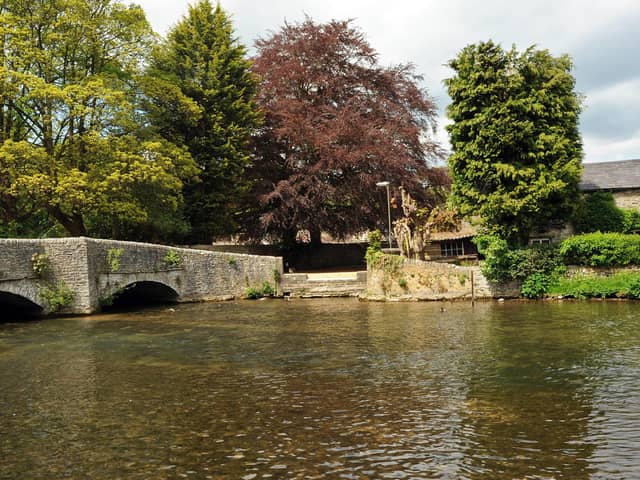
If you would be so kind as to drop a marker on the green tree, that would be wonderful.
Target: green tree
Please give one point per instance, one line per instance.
(517, 152)
(71, 141)
(597, 212)
(207, 105)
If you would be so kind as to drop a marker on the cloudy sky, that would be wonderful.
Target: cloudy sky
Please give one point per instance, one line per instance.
(602, 37)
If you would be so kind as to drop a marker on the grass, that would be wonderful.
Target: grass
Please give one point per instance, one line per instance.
(620, 285)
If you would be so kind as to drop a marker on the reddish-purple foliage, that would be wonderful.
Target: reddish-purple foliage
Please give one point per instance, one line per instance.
(336, 122)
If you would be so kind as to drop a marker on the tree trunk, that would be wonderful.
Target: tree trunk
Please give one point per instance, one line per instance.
(315, 235)
(289, 238)
(73, 224)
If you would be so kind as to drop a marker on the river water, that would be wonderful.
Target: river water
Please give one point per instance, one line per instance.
(325, 389)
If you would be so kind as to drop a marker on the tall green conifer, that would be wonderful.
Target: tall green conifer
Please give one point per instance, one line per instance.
(517, 151)
(202, 62)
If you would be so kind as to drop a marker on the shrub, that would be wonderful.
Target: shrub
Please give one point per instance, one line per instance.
(536, 259)
(633, 287)
(266, 290)
(172, 258)
(497, 263)
(374, 250)
(113, 259)
(40, 264)
(503, 263)
(536, 266)
(631, 222)
(598, 213)
(56, 296)
(602, 250)
(535, 285)
(253, 293)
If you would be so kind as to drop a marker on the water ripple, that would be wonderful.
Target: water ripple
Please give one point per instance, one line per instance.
(325, 389)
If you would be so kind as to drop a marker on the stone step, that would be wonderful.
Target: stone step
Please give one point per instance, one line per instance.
(325, 285)
(325, 292)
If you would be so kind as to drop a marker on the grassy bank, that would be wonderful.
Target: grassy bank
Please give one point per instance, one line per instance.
(620, 285)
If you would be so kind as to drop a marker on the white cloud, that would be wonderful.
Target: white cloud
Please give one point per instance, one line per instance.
(606, 150)
(622, 94)
(601, 35)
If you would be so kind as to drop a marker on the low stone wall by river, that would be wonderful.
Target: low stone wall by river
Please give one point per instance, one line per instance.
(395, 278)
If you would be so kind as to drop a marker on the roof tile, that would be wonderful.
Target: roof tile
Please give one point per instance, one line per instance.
(620, 175)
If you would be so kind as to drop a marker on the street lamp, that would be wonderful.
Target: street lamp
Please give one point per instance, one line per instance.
(386, 184)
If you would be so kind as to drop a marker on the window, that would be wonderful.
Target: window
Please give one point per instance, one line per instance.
(540, 241)
(451, 248)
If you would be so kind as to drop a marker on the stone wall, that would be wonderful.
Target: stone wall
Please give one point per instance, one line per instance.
(395, 278)
(95, 270)
(304, 257)
(577, 270)
(555, 235)
(627, 199)
(66, 266)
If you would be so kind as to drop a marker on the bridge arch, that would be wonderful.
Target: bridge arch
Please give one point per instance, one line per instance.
(15, 305)
(139, 291)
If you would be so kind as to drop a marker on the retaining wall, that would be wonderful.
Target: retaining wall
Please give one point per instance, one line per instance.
(396, 278)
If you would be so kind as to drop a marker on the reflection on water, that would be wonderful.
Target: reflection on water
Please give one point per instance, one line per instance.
(325, 389)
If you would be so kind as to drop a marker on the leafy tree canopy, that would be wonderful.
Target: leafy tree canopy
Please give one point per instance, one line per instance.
(517, 152)
(71, 144)
(200, 95)
(336, 123)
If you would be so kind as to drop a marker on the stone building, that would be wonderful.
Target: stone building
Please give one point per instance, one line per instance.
(621, 178)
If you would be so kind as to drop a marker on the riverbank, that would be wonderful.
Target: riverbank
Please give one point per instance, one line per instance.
(393, 278)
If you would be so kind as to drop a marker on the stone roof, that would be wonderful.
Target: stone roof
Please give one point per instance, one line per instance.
(620, 175)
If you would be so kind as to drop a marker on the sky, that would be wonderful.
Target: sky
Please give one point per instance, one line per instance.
(602, 37)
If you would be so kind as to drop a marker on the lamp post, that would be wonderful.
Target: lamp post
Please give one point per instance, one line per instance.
(386, 184)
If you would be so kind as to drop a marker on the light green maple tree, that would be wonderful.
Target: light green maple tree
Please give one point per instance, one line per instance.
(72, 141)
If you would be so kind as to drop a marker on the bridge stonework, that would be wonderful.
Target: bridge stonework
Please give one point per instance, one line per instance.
(95, 270)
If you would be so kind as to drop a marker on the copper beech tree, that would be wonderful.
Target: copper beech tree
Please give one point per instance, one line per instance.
(336, 122)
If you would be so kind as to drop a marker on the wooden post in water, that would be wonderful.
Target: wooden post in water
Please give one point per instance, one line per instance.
(473, 291)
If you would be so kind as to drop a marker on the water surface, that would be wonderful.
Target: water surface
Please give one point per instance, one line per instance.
(325, 389)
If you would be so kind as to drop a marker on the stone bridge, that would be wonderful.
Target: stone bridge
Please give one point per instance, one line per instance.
(81, 275)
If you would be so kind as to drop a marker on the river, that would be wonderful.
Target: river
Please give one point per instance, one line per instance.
(325, 389)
